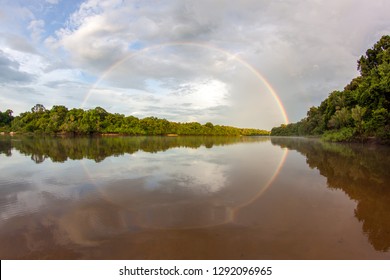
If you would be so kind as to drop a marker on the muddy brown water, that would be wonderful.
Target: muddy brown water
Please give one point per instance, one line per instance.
(192, 198)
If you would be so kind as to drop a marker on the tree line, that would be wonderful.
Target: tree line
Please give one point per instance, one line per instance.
(61, 120)
(360, 111)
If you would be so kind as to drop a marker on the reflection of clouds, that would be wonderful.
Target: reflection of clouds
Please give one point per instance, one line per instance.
(186, 167)
(27, 187)
(209, 176)
(165, 189)
(10, 194)
(175, 189)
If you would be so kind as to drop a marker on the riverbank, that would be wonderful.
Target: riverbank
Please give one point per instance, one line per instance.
(74, 134)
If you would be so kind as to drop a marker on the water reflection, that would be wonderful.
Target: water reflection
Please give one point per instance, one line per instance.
(362, 172)
(5, 146)
(192, 198)
(60, 149)
(115, 186)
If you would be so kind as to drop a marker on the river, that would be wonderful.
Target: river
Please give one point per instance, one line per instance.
(192, 198)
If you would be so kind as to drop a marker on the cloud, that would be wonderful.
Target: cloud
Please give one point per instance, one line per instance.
(304, 49)
(10, 73)
(36, 28)
(204, 77)
(53, 2)
(18, 43)
(100, 32)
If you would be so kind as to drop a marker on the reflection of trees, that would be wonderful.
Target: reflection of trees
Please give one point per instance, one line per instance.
(98, 148)
(5, 146)
(362, 172)
(38, 158)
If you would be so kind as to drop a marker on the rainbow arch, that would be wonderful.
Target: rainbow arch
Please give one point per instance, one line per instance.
(248, 66)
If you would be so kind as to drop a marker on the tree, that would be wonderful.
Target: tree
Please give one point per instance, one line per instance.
(6, 118)
(362, 108)
(61, 120)
(340, 119)
(38, 108)
(57, 118)
(375, 56)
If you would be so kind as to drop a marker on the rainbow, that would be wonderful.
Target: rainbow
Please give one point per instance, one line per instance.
(248, 66)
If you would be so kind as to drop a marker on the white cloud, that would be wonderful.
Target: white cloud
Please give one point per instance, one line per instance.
(202, 95)
(53, 2)
(17, 43)
(37, 28)
(11, 72)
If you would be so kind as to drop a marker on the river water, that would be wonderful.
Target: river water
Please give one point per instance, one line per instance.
(192, 198)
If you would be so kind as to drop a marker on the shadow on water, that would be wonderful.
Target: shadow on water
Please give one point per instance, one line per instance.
(362, 172)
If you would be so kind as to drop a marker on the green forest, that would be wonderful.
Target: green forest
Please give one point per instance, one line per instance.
(61, 120)
(360, 112)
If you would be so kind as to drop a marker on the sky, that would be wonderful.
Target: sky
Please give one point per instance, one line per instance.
(248, 63)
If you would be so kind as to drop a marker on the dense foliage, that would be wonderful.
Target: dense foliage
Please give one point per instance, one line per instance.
(60, 119)
(360, 111)
(6, 118)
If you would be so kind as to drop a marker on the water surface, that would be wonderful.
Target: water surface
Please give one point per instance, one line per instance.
(192, 198)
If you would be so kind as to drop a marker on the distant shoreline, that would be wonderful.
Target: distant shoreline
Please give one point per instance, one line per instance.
(61, 120)
(71, 134)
